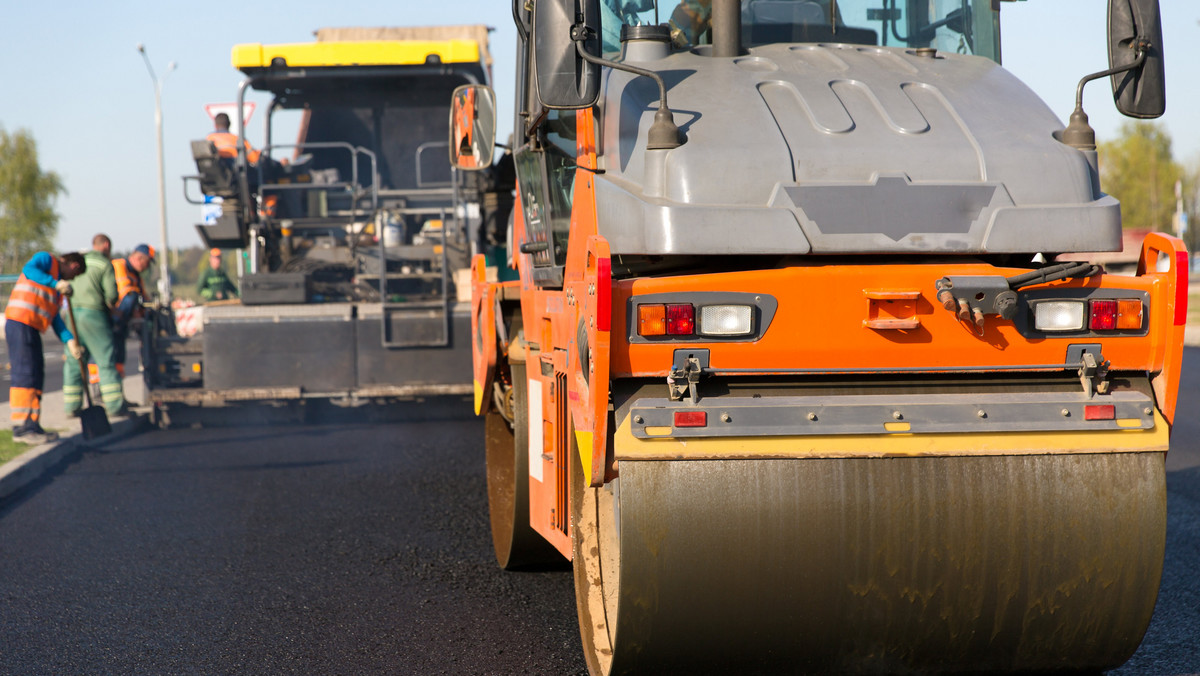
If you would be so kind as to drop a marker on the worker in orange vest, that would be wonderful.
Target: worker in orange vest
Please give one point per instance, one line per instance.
(33, 308)
(226, 141)
(130, 295)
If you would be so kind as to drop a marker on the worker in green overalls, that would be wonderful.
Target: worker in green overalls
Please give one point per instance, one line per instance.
(95, 295)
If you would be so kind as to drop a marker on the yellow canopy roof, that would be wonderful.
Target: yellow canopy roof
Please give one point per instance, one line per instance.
(356, 53)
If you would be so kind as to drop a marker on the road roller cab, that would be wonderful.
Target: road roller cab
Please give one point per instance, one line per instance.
(792, 372)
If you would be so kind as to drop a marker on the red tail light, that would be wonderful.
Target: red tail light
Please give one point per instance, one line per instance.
(1104, 315)
(691, 418)
(681, 320)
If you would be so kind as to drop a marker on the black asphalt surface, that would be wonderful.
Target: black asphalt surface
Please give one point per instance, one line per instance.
(339, 549)
(346, 549)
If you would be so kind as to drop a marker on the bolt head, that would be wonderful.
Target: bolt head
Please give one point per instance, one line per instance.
(1065, 412)
(897, 415)
(726, 418)
(812, 416)
(638, 419)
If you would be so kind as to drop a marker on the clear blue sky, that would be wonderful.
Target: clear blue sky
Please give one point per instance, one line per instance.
(71, 74)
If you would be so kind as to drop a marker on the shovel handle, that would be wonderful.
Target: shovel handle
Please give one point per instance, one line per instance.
(87, 389)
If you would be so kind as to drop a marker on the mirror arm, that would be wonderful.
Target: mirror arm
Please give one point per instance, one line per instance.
(516, 12)
(532, 121)
(663, 134)
(1079, 134)
(1140, 45)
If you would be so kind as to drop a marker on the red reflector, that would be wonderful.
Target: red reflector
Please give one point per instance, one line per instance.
(1099, 412)
(603, 294)
(1181, 287)
(681, 320)
(696, 418)
(1104, 315)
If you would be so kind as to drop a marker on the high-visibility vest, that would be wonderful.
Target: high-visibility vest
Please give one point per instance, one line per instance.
(33, 304)
(128, 279)
(226, 144)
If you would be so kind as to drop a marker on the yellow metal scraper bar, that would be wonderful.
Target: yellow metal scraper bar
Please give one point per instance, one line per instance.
(627, 446)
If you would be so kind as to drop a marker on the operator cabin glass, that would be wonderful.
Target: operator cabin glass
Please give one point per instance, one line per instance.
(547, 180)
(961, 26)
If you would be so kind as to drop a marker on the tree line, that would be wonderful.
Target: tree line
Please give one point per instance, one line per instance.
(29, 222)
(1137, 167)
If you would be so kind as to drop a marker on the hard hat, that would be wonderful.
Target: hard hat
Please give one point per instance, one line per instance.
(214, 252)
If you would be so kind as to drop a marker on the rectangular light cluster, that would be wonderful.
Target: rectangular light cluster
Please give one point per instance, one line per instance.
(1098, 314)
(679, 319)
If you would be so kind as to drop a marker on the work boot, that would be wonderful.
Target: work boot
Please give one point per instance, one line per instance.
(33, 434)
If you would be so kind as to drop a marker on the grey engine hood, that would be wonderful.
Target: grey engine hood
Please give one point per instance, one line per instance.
(833, 149)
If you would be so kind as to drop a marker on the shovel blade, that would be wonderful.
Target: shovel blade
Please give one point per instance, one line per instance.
(95, 422)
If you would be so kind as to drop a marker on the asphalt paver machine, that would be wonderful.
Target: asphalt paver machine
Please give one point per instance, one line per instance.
(356, 234)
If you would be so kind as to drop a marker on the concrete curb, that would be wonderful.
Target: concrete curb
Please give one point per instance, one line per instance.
(32, 464)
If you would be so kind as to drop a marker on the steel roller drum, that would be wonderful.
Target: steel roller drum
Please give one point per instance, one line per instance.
(870, 565)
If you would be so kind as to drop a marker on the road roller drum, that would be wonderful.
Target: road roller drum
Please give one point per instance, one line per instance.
(870, 565)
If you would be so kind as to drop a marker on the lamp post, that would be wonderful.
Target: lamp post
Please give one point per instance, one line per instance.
(164, 280)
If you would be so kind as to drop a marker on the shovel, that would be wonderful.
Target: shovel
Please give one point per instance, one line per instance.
(94, 419)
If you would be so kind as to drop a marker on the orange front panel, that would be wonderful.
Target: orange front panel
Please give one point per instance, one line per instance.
(845, 318)
(548, 461)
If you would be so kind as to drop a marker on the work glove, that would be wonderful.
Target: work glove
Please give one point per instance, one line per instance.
(64, 287)
(74, 347)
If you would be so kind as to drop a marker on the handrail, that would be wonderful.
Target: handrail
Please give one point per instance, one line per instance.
(417, 157)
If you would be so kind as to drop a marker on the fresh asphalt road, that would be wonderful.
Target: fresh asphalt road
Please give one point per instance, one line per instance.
(348, 548)
(343, 548)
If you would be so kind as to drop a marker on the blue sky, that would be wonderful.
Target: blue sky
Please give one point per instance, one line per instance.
(70, 73)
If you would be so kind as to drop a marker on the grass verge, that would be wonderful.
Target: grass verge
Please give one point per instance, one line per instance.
(10, 449)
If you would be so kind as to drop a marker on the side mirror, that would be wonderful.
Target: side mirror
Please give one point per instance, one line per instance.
(564, 79)
(1135, 27)
(472, 127)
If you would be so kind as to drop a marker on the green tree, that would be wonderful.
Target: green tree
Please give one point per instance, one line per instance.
(27, 195)
(1138, 169)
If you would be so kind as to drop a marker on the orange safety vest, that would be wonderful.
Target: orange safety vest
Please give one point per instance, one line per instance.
(226, 143)
(128, 279)
(33, 304)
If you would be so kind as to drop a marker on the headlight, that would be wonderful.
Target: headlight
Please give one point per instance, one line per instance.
(1059, 315)
(726, 320)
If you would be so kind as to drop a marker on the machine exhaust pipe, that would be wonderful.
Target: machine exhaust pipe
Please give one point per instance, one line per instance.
(726, 27)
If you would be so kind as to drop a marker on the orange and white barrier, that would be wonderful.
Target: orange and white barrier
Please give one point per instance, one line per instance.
(189, 320)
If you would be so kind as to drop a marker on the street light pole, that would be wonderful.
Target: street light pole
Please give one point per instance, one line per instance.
(164, 280)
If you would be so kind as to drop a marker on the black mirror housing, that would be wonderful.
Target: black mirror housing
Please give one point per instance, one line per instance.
(564, 79)
(1141, 91)
(472, 127)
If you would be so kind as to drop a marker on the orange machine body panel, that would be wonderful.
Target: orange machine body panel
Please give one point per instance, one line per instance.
(868, 316)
